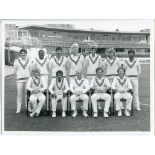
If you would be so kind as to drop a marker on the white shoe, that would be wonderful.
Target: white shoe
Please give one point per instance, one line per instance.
(63, 114)
(119, 113)
(95, 115)
(74, 114)
(37, 114)
(54, 114)
(32, 114)
(127, 113)
(138, 109)
(18, 111)
(85, 114)
(105, 114)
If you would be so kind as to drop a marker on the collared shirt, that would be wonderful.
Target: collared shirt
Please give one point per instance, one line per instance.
(42, 64)
(99, 83)
(36, 84)
(111, 66)
(91, 63)
(75, 63)
(58, 87)
(133, 69)
(22, 68)
(79, 85)
(60, 64)
(119, 83)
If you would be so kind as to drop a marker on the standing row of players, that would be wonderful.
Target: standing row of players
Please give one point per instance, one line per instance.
(69, 66)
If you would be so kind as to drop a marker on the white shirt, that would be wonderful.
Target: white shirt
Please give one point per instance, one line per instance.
(58, 87)
(111, 66)
(91, 63)
(75, 63)
(22, 68)
(99, 83)
(36, 84)
(120, 84)
(79, 85)
(42, 65)
(133, 69)
(60, 64)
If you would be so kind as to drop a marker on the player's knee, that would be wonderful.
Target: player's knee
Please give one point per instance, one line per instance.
(86, 97)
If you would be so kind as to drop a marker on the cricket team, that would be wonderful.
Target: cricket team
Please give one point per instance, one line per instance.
(77, 75)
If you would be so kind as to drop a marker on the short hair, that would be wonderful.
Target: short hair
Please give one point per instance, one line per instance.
(131, 51)
(99, 68)
(79, 70)
(58, 48)
(23, 50)
(59, 72)
(36, 70)
(41, 51)
(121, 68)
(111, 49)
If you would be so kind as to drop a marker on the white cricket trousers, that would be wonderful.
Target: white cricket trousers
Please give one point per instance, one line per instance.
(21, 91)
(127, 96)
(33, 100)
(54, 102)
(135, 86)
(74, 98)
(103, 96)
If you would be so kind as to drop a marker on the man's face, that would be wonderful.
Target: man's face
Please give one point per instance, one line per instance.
(131, 55)
(23, 55)
(79, 75)
(41, 54)
(36, 74)
(59, 76)
(99, 74)
(121, 72)
(111, 54)
(58, 53)
(75, 50)
(93, 51)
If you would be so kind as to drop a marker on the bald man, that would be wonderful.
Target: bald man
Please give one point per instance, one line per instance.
(79, 87)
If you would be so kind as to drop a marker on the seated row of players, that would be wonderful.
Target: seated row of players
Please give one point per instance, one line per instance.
(69, 66)
(79, 88)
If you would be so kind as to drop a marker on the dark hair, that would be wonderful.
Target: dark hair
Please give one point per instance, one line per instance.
(59, 72)
(23, 50)
(121, 68)
(40, 51)
(99, 68)
(58, 48)
(131, 51)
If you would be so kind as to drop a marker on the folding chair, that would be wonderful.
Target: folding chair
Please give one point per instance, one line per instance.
(28, 102)
(123, 101)
(100, 100)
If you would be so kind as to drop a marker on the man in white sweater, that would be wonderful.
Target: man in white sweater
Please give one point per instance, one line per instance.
(122, 87)
(58, 88)
(79, 87)
(36, 85)
(75, 61)
(133, 71)
(100, 85)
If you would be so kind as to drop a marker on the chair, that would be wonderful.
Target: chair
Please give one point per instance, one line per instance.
(123, 101)
(28, 101)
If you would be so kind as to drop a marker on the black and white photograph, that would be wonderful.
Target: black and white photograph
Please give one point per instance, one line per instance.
(76, 75)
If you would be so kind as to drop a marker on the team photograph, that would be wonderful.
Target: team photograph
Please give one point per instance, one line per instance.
(77, 75)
